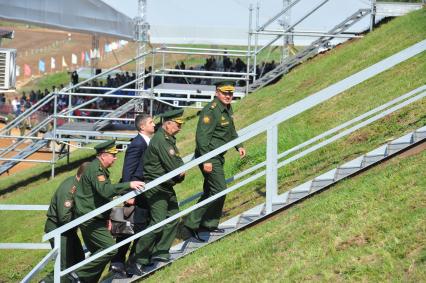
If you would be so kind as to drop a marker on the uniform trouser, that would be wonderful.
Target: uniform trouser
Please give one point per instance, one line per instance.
(208, 216)
(120, 257)
(97, 238)
(71, 249)
(162, 204)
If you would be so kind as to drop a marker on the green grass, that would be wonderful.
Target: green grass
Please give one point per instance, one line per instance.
(370, 228)
(40, 174)
(47, 81)
(304, 80)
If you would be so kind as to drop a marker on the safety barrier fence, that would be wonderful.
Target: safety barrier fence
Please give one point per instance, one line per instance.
(270, 126)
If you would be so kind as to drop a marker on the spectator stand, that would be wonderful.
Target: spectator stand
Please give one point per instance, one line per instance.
(86, 111)
(91, 110)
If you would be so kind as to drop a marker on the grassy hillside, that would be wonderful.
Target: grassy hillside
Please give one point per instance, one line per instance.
(370, 228)
(304, 80)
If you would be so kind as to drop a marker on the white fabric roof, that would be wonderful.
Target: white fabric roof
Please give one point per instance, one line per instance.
(89, 16)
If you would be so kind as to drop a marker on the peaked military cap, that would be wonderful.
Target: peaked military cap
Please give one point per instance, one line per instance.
(108, 146)
(173, 115)
(225, 86)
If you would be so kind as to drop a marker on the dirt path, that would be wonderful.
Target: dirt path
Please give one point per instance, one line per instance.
(5, 142)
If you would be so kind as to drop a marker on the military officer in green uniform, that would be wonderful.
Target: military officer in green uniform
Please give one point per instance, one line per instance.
(161, 157)
(215, 128)
(96, 190)
(59, 213)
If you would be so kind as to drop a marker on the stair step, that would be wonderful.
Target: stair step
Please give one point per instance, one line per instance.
(281, 199)
(378, 151)
(400, 143)
(323, 180)
(296, 196)
(418, 136)
(255, 211)
(303, 188)
(375, 155)
(230, 223)
(349, 167)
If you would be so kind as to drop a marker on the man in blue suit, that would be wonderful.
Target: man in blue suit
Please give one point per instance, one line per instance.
(132, 167)
(133, 171)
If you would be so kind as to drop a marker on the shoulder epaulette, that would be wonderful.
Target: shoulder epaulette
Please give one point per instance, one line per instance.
(213, 106)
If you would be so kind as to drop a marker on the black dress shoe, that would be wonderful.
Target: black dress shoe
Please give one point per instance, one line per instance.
(117, 267)
(214, 230)
(194, 234)
(135, 269)
(160, 259)
(73, 278)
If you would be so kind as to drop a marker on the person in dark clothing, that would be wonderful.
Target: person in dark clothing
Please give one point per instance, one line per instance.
(215, 128)
(60, 212)
(74, 78)
(161, 157)
(133, 171)
(95, 190)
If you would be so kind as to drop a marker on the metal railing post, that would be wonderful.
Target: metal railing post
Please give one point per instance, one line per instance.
(249, 48)
(69, 106)
(373, 14)
(151, 101)
(256, 43)
(57, 268)
(53, 142)
(163, 64)
(271, 167)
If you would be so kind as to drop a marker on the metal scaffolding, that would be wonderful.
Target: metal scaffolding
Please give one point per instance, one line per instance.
(141, 37)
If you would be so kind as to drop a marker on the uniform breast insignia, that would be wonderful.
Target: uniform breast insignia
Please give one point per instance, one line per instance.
(206, 120)
(73, 190)
(68, 203)
(101, 178)
(172, 151)
(223, 121)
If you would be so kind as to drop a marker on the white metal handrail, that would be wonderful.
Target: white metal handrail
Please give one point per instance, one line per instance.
(268, 124)
(261, 125)
(330, 132)
(345, 133)
(298, 147)
(203, 49)
(52, 254)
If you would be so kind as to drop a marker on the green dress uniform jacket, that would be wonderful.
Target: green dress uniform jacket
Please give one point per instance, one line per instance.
(96, 190)
(161, 157)
(59, 213)
(215, 128)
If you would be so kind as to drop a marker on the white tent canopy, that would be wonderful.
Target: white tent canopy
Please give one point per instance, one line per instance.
(88, 16)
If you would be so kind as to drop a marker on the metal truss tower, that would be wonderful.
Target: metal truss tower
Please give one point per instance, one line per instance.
(287, 39)
(141, 37)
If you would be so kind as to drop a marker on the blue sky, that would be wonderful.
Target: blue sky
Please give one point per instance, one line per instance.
(226, 21)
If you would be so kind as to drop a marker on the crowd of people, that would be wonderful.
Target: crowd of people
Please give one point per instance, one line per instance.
(101, 106)
(150, 155)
